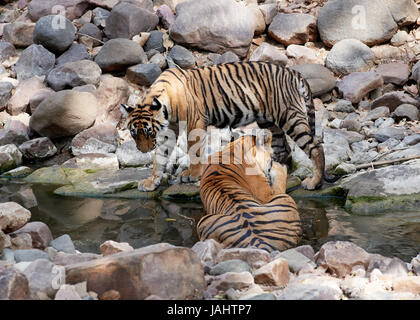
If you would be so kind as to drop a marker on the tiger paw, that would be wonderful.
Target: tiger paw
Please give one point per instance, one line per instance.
(311, 184)
(149, 184)
(188, 176)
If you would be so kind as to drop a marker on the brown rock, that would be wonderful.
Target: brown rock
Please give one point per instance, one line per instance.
(63, 259)
(339, 257)
(293, 28)
(19, 33)
(357, 85)
(110, 295)
(105, 132)
(254, 257)
(111, 93)
(21, 241)
(394, 99)
(13, 283)
(161, 269)
(110, 247)
(24, 92)
(268, 52)
(396, 73)
(13, 216)
(276, 273)
(40, 233)
(5, 241)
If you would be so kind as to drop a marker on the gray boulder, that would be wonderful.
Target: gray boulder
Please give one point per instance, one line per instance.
(7, 50)
(320, 79)
(72, 9)
(143, 74)
(55, 33)
(34, 61)
(20, 34)
(182, 57)
(126, 20)
(76, 52)
(404, 12)
(366, 20)
(357, 85)
(38, 148)
(118, 54)
(217, 26)
(293, 28)
(5, 93)
(349, 55)
(73, 74)
(407, 111)
(394, 99)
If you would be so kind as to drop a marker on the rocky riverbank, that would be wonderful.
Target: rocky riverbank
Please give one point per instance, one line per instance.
(36, 266)
(63, 78)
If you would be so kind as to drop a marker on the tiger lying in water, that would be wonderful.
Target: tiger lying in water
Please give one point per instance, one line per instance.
(234, 95)
(243, 209)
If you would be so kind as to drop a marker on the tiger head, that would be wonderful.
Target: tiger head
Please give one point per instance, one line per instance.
(146, 120)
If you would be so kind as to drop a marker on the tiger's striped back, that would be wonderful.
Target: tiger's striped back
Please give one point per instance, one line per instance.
(244, 210)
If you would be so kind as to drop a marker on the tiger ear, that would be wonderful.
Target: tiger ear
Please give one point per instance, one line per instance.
(156, 105)
(126, 109)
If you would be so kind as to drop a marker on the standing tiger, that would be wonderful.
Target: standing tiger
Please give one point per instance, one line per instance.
(231, 94)
(242, 208)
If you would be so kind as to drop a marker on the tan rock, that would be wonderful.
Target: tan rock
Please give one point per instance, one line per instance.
(40, 233)
(110, 247)
(110, 295)
(207, 250)
(23, 93)
(234, 280)
(13, 216)
(161, 269)
(254, 257)
(276, 273)
(407, 284)
(13, 283)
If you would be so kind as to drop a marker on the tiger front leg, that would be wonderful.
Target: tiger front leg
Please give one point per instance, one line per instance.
(316, 154)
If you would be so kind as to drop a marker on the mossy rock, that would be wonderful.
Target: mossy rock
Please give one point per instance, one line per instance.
(292, 182)
(134, 193)
(376, 205)
(182, 192)
(56, 175)
(19, 172)
(325, 192)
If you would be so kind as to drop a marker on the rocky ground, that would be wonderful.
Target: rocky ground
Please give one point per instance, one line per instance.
(62, 80)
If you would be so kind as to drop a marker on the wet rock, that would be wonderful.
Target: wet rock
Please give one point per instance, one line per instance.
(63, 243)
(320, 79)
(64, 113)
(7, 50)
(19, 33)
(25, 90)
(349, 55)
(166, 16)
(234, 265)
(55, 33)
(379, 28)
(41, 275)
(270, 53)
(111, 247)
(13, 216)
(394, 99)
(10, 157)
(126, 20)
(143, 74)
(396, 73)
(357, 85)
(207, 250)
(275, 273)
(407, 111)
(181, 191)
(34, 61)
(72, 9)
(293, 28)
(38, 149)
(13, 283)
(339, 257)
(73, 74)
(129, 156)
(223, 25)
(254, 257)
(393, 188)
(40, 234)
(29, 255)
(172, 272)
(118, 54)
(386, 133)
